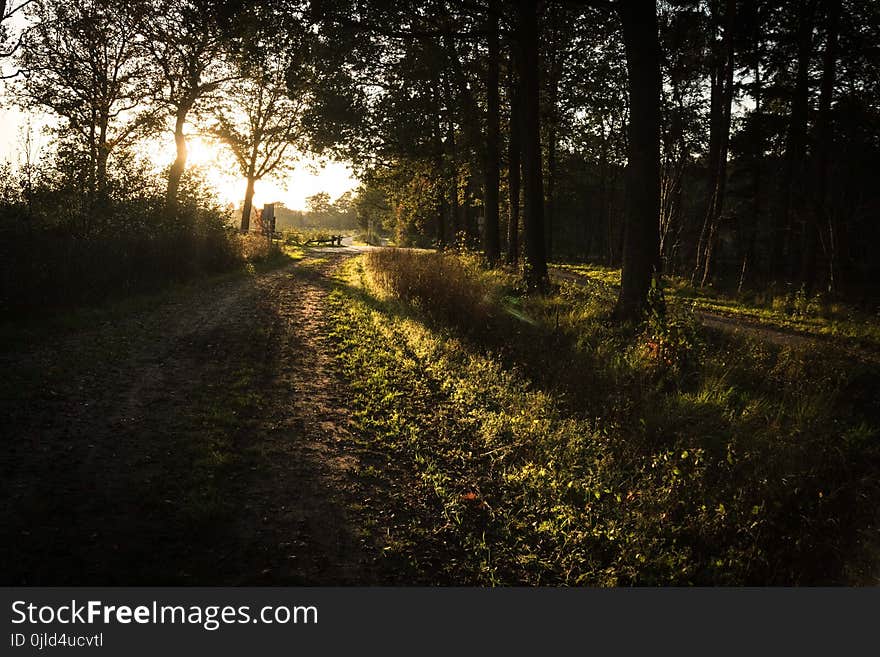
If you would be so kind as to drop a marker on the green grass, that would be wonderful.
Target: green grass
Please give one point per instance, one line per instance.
(558, 448)
(792, 311)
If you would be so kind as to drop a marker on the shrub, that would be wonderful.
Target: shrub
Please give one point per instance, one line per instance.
(450, 289)
(56, 253)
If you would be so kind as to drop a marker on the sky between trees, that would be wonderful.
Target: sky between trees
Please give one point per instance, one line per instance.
(309, 176)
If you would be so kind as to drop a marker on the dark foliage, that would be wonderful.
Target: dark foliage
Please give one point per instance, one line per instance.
(55, 253)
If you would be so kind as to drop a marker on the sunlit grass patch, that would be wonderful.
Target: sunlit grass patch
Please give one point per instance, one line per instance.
(445, 286)
(569, 450)
(605, 275)
(790, 310)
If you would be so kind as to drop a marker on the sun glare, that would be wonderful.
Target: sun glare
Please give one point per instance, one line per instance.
(305, 178)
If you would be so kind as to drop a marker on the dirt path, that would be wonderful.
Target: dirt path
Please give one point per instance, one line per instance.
(202, 441)
(719, 322)
(760, 331)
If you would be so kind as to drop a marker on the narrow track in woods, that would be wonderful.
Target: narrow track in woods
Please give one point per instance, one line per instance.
(202, 441)
(758, 330)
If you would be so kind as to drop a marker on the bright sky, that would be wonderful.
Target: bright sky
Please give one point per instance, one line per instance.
(304, 178)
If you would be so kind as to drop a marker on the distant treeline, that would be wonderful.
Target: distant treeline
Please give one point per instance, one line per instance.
(733, 142)
(321, 214)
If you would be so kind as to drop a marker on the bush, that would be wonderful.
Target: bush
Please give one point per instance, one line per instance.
(55, 253)
(451, 289)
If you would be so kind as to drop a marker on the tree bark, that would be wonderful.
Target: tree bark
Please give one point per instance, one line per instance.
(604, 224)
(101, 202)
(439, 171)
(785, 251)
(179, 164)
(248, 205)
(674, 161)
(820, 218)
(103, 155)
(641, 227)
(533, 185)
(554, 74)
(721, 104)
(491, 239)
(472, 190)
(750, 239)
(551, 187)
(513, 167)
(92, 182)
(455, 220)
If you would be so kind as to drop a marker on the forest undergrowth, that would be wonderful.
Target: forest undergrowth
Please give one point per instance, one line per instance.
(557, 447)
(783, 308)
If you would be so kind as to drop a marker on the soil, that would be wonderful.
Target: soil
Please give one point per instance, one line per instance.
(203, 440)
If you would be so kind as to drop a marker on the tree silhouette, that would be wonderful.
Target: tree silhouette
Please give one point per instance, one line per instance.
(189, 58)
(260, 120)
(84, 62)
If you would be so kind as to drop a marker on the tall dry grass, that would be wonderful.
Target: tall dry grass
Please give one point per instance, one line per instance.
(451, 289)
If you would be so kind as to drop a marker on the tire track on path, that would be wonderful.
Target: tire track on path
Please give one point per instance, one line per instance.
(199, 441)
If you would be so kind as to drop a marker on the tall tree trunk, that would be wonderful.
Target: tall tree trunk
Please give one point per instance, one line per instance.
(722, 101)
(439, 171)
(641, 228)
(795, 148)
(551, 187)
(248, 204)
(470, 123)
(102, 157)
(470, 212)
(101, 207)
(455, 220)
(604, 205)
(533, 185)
(554, 71)
(674, 160)
(711, 169)
(820, 219)
(179, 164)
(92, 179)
(513, 166)
(101, 170)
(491, 239)
(748, 258)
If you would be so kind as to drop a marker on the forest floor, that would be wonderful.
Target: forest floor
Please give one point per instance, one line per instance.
(712, 320)
(558, 447)
(290, 427)
(751, 324)
(203, 440)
